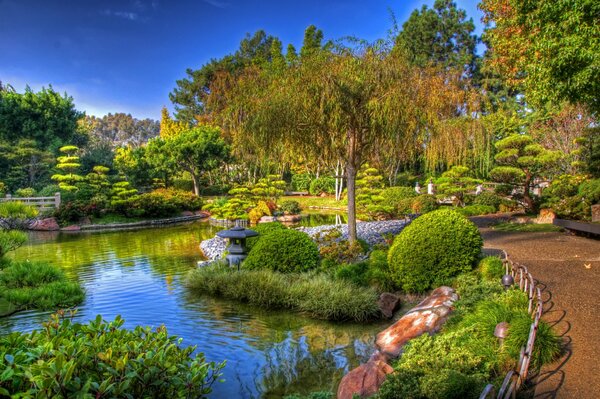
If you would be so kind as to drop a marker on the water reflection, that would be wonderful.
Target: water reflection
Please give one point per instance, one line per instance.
(139, 275)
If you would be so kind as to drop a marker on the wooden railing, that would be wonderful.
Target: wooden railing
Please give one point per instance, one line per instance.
(41, 203)
(515, 378)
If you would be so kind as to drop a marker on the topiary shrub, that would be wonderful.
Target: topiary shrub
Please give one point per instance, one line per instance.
(322, 185)
(263, 229)
(290, 207)
(432, 249)
(283, 251)
(488, 198)
(424, 203)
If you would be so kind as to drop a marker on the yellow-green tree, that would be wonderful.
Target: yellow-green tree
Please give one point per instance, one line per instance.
(68, 164)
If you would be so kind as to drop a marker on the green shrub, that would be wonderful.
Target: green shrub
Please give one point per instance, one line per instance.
(17, 210)
(357, 273)
(504, 189)
(432, 249)
(29, 285)
(290, 207)
(319, 296)
(283, 251)
(589, 191)
(11, 240)
(301, 182)
(101, 359)
(182, 200)
(448, 384)
(374, 272)
(74, 211)
(400, 199)
(151, 205)
(324, 184)
(25, 192)
(424, 203)
(488, 198)
(337, 250)
(491, 268)
(263, 229)
(476, 210)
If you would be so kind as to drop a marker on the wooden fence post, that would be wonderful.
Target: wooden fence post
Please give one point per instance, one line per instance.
(57, 200)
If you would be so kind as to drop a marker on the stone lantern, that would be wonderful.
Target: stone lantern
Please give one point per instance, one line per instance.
(237, 243)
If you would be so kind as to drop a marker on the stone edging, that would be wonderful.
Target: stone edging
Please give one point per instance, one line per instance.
(143, 223)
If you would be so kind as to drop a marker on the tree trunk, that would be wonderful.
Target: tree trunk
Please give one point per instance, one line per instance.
(196, 182)
(526, 196)
(350, 186)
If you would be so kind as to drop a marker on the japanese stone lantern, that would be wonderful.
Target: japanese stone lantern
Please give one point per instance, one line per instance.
(237, 244)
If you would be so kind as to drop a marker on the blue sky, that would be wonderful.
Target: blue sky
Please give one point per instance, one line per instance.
(124, 56)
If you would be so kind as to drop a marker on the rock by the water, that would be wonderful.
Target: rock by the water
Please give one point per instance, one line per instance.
(213, 248)
(427, 317)
(72, 227)
(364, 380)
(388, 303)
(47, 224)
(372, 232)
(186, 213)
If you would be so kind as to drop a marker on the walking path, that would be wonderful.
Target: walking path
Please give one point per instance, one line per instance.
(568, 270)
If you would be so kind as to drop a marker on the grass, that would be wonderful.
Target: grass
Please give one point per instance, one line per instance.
(317, 295)
(320, 202)
(28, 285)
(527, 227)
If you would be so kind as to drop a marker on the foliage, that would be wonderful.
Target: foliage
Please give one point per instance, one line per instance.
(74, 211)
(263, 229)
(319, 296)
(261, 209)
(111, 361)
(571, 196)
(546, 48)
(11, 240)
(491, 268)
(68, 164)
(17, 210)
(374, 272)
(150, 205)
(521, 160)
(284, 251)
(334, 248)
(432, 249)
(290, 207)
(323, 184)
(25, 192)
(369, 187)
(441, 35)
(488, 198)
(269, 188)
(424, 203)
(312, 395)
(29, 285)
(301, 182)
(476, 210)
(398, 199)
(456, 182)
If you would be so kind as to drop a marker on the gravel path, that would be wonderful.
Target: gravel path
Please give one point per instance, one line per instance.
(371, 232)
(568, 270)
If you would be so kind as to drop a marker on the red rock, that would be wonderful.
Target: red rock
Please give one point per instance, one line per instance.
(289, 218)
(203, 214)
(47, 224)
(267, 219)
(546, 216)
(388, 303)
(187, 213)
(73, 227)
(596, 213)
(441, 296)
(364, 380)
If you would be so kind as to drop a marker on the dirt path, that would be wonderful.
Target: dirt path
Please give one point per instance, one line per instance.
(568, 270)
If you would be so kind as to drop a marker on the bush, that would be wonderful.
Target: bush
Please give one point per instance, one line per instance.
(301, 182)
(319, 296)
(182, 200)
(25, 192)
(261, 209)
(110, 362)
(263, 229)
(290, 207)
(16, 215)
(424, 203)
(491, 268)
(29, 285)
(322, 185)
(151, 205)
(11, 240)
(398, 198)
(489, 199)
(504, 189)
(432, 249)
(283, 251)
(476, 210)
(337, 250)
(374, 272)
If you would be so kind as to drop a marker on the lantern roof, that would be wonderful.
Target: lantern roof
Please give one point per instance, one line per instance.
(237, 232)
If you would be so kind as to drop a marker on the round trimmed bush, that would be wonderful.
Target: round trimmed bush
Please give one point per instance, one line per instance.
(284, 251)
(432, 249)
(263, 229)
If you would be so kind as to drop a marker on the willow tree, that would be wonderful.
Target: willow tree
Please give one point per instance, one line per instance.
(332, 106)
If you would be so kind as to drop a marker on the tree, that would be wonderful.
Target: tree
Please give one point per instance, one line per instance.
(520, 161)
(23, 164)
(69, 164)
(456, 182)
(169, 127)
(196, 151)
(548, 48)
(441, 35)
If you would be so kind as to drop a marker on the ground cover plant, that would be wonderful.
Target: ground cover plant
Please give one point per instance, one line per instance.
(465, 356)
(318, 295)
(102, 359)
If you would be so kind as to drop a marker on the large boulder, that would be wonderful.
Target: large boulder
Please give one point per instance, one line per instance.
(546, 216)
(47, 224)
(596, 213)
(427, 317)
(364, 380)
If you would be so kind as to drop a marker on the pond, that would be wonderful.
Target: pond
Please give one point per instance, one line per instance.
(139, 275)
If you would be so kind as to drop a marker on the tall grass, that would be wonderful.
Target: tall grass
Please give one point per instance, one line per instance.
(318, 295)
(28, 285)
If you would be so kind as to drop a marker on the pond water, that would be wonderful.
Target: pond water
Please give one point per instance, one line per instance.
(139, 275)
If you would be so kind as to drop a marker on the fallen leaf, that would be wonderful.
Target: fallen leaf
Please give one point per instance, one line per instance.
(587, 265)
